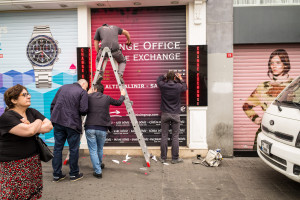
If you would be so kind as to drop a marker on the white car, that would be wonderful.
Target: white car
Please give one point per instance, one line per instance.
(278, 145)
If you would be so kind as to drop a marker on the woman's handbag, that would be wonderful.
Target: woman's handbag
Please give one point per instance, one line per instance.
(45, 153)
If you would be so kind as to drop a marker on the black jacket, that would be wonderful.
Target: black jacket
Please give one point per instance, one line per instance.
(170, 95)
(69, 103)
(98, 112)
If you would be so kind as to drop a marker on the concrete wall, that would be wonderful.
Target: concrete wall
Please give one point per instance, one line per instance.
(219, 19)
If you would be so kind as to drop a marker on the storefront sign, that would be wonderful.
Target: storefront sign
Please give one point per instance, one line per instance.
(197, 65)
(84, 64)
(158, 36)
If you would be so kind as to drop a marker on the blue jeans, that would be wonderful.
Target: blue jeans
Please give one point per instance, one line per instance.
(96, 140)
(61, 134)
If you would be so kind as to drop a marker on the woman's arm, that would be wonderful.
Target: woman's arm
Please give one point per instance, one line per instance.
(27, 130)
(46, 126)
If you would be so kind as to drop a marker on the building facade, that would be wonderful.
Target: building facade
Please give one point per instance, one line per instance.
(235, 39)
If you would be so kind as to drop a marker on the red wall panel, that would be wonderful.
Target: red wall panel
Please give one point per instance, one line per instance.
(158, 35)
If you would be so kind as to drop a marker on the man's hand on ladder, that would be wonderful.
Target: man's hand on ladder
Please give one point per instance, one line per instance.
(123, 93)
(128, 43)
(91, 90)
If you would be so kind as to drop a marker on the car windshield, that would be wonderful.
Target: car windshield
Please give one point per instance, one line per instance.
(291, 95)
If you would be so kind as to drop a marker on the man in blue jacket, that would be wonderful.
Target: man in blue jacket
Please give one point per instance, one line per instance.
(67, 107)
(98, 122)
(171, 90)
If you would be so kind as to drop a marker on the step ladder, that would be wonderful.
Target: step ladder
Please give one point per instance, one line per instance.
(106, 54)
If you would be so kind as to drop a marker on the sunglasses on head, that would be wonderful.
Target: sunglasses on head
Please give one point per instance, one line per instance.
(25, 94)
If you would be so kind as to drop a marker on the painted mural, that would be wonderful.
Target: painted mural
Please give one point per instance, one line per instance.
(38, 50)
(261, 72)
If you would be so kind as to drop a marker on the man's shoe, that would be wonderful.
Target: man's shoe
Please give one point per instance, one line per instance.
(121, 78)
(179, 160)
(161, 160)
(97, 175)
(102, 165)
(77, 177)
(100, 78)
(59, 178)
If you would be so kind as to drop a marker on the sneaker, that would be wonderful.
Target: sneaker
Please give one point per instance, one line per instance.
(121, 78)
(59, 178)
(77, 177)
(161, 160)
(97, 175)
(102, 165)
(179, 160)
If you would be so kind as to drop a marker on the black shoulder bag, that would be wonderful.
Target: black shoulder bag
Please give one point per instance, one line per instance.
(45, 153)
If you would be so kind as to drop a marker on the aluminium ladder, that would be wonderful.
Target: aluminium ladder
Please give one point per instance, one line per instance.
(101, 65)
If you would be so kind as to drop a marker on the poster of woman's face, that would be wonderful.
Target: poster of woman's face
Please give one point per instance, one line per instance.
(261, 72)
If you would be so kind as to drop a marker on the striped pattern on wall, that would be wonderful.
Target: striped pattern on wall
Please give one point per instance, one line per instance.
(250, 70)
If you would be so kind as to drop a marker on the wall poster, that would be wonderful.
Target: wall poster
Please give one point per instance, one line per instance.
(261, 72)
(38, 51)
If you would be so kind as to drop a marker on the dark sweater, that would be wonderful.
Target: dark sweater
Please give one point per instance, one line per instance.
(69, 103)
(98, 112)
(170, 94)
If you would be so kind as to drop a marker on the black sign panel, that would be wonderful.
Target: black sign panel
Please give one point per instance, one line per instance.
(197, 76)
(84, 64)
(123, 133)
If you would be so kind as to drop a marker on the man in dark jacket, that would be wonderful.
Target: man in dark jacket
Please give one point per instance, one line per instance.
(98, 122)
(171, 90)
(69, 103)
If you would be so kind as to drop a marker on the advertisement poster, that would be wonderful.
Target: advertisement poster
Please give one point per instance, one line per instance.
(158, 36)
(38, 51)
(261, 72)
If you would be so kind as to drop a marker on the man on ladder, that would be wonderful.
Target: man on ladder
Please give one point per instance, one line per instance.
(108, 35)
(110, 50)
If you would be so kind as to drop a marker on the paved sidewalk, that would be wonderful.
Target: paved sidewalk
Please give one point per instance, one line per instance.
(237, 178)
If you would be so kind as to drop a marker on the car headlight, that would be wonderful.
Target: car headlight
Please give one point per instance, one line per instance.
(298, 141)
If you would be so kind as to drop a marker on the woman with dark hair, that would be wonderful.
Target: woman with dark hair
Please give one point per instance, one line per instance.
(266, 92)
(20, 165)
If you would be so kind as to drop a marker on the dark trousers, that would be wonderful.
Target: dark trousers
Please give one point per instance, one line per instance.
(168, 119)
(61, 134)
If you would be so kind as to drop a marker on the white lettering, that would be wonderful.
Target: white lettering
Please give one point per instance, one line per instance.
(148, 44)
(115, 86)
(177, 45)
(133, 46)
(164, 56)
(161, 45)
(153, 85)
